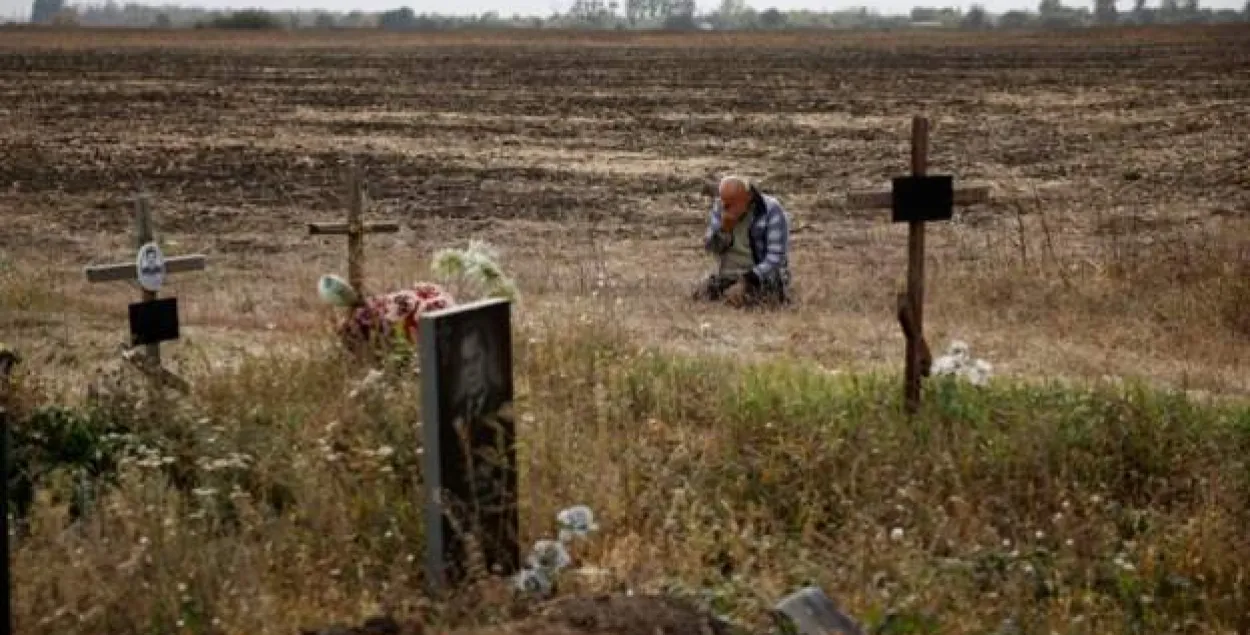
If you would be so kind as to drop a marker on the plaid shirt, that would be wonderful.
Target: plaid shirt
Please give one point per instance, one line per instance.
(770, 237)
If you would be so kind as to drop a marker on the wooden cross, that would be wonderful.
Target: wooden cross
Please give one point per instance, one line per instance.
(916, 200)
(149, 282)
(355, 230)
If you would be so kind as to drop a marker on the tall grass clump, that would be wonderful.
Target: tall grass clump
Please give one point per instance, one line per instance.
(283, 493)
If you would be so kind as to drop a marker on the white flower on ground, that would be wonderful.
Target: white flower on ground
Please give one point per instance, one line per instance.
(576, 521)
(535, 581)
(958, 362)
(549, 555)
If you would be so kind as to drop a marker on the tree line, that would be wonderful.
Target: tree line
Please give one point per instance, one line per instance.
(640, 14)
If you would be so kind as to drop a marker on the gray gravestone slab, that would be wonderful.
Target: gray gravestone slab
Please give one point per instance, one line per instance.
(815, 613)
(469, 437)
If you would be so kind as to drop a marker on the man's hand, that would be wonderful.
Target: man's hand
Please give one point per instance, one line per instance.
(730, 220)
(736, 295)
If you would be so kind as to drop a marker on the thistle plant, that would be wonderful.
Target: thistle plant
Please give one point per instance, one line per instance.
(474, 271)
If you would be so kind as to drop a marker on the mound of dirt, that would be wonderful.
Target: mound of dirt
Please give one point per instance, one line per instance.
(596, 615)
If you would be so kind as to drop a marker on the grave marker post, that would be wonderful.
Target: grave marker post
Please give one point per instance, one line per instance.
(152, 320)
(468, 439)
(8, 359)
(916, 200)
(355, 229)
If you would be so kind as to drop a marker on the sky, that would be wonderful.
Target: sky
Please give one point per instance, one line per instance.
(11, 9)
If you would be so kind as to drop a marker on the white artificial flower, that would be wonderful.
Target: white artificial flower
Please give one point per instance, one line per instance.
(549, 555)
(577, 521)
(958, 362)
(534, 581)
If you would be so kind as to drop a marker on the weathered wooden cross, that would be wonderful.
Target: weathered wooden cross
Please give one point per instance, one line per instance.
(152, 321)
(355, 229)
(916, 200)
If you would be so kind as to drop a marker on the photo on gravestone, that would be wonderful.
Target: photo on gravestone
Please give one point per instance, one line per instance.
(470, 438)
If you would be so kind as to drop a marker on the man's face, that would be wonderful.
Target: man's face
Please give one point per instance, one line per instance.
(472, 364)
(734, 201)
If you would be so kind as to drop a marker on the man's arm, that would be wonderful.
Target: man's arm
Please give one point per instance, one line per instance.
(714, 240)
(777, 243)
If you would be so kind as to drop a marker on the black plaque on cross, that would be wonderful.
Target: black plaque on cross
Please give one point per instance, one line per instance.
(153, 321)
(922, 198)
(469, 438)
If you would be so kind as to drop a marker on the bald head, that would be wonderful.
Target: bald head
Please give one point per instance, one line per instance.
(735, 195)
(733, 187)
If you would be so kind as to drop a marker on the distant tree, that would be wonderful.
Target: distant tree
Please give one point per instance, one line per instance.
(1014, 20)
(633, 11)
(398, 19)
(976, 18)
(734, 8)
(771, 18)
(162, 21)
(934, 14)
(1105, 11)
(324, 21)
(248, 19)
(681, 15)
(41, 11)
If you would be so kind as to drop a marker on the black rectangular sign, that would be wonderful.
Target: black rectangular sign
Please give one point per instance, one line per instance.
(154, 321)
(923, 198)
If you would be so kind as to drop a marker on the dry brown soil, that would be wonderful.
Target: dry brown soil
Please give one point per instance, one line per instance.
(608, 614)
(582, 158)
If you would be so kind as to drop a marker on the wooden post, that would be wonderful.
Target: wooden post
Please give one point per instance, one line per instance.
(916, 200)
(143, 236)
(149, 273)
(6, 580)
(355, 229)
(8, 359)
(915, 274)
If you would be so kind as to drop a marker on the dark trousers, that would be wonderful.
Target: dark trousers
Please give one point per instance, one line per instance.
(774, 290)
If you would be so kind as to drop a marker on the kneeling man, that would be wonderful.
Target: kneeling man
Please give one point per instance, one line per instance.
(749, 233)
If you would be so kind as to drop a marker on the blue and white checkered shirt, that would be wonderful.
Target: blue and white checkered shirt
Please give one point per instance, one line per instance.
(770, 237)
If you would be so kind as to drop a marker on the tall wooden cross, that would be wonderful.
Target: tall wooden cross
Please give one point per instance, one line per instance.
(151, 320)
(916, 200)
(355, 229)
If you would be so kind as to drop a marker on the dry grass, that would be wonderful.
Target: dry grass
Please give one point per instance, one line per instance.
(273, 498)
(1112, 508)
